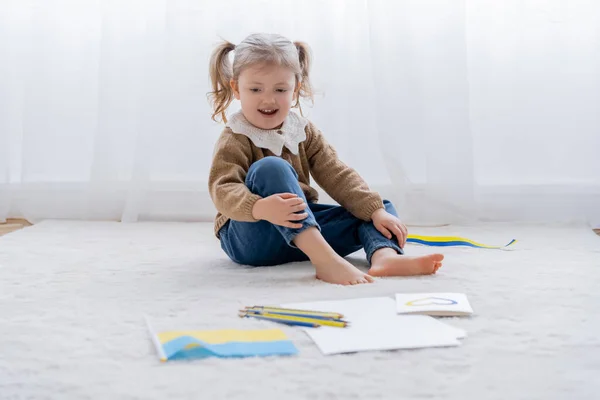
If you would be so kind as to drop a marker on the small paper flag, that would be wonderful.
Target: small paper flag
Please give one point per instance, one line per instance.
(176, 345)
(445, 241)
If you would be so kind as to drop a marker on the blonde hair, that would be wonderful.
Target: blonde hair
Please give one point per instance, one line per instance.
(256, 49)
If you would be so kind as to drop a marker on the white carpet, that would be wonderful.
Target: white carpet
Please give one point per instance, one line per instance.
(73, 296)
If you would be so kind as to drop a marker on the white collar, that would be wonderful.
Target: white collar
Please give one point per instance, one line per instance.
(290, 135)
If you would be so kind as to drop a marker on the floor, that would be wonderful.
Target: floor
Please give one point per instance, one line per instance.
(73, 296)
(12, 225)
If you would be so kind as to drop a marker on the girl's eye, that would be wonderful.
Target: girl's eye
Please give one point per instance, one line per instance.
(255, 90)
(282, 90)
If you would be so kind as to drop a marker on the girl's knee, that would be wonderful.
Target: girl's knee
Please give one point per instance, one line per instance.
(389, 207)
(270, 163)
(271, 167)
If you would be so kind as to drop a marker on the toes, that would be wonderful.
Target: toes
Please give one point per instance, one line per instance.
(437, 257)
(363, 279)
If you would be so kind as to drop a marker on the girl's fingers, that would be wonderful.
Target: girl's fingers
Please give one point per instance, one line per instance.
(292, 225)
(297, 217)
(288, 195)
(294, 201)
(404, 229)
(300, 207)
(399, 235)
(385, 232)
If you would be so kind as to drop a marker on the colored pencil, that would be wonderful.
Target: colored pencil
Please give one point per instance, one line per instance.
(291, 314)
(323, 322)
(282, 321)
(297, 312)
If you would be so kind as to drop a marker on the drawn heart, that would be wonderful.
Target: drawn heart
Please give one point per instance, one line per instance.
(431, 301)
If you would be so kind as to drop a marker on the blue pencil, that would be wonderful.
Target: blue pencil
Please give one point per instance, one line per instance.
(296, 312)
(282, 321)
(292, 314)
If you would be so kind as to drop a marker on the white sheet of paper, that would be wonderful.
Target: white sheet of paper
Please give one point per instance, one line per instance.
(438, 304)
(374, 325)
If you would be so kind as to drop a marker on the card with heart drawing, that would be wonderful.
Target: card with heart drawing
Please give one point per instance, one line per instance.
(434, 304)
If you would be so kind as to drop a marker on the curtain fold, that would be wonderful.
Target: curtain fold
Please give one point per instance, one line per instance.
(457, 111)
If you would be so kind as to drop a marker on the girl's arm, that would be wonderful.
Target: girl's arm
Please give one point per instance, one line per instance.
(231, 160)
(341, 182)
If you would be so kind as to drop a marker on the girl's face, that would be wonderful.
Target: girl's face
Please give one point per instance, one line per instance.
(266, 93)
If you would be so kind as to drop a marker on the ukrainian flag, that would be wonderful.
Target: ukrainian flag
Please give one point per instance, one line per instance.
(177, 345)
(444, 241)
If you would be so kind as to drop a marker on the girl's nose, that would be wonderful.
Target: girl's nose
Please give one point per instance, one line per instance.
(268, 101)
(268, 98)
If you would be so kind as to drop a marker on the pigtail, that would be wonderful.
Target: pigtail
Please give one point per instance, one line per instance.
(220, 76)
(305, 58)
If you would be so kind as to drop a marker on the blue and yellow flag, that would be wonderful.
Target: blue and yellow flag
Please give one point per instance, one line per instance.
(177, 345)
(444, 241)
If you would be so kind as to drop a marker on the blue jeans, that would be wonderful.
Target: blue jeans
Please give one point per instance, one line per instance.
(263, 244)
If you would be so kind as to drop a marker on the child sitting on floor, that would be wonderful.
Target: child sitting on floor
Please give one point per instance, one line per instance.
(260, 175)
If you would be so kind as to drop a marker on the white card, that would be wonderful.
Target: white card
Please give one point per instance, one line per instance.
(374, 325)
(434, 304)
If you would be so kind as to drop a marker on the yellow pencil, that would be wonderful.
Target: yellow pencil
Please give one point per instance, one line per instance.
(324, 322)
(297, 312)
(282, 321)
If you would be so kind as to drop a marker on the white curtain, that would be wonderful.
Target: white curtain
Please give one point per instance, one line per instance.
(456, 110)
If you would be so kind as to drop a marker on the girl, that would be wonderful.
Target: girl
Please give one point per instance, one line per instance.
(260, 175)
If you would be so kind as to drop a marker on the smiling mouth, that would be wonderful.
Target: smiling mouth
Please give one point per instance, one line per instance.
(268, 111)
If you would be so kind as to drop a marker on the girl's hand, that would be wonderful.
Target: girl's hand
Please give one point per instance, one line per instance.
(280, 209)
(389, 225)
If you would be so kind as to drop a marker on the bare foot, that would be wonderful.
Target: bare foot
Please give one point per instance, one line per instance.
(386, 262)
(336, 269)
(329, 265)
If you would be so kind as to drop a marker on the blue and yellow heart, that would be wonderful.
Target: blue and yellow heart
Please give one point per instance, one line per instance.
(431, 301)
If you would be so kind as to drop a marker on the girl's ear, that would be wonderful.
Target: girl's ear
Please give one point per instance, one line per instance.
(235, 88)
